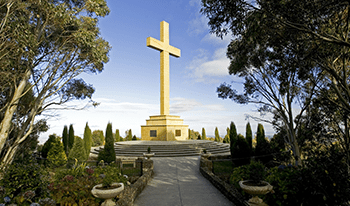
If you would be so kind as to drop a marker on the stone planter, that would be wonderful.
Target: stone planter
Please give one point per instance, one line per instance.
(107, 194)
(256, 190)
(206, 155)
(148, 155)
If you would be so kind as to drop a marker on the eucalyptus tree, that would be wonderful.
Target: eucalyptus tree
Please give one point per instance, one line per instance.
(44, 46)
(275, 59)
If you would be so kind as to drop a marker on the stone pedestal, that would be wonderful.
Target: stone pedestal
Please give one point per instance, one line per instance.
(164, 128)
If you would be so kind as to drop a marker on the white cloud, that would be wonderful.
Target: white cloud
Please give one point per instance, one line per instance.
(181, 105)
(203, 68)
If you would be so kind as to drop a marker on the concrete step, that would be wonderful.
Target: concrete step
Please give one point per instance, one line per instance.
(167, 149)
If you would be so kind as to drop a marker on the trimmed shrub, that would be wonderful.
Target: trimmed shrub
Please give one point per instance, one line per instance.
(47, 145)
(240, 151)
(77, 152)
(249, 137)
(87, 140)
(108, 153)
(204, 136)
(262, 147)
(117, 135)
(70, 137)
(65, 139)
(217, 136)
(57, 156)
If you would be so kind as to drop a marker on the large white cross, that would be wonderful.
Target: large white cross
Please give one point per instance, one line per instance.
(165, 49)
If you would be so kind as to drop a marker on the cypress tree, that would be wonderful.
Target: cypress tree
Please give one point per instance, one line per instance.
(233, 139)
(78, 151)
(227, 136)
(262, 147)
(57, 155)
(102, 138)
(249, 137)
(71, 137)
(48, 145)
(189, 133)
(217, 136)
(129, 135)
(87, 140)
(65, 139)
(117, 135)
(204, 136)
(108, 153)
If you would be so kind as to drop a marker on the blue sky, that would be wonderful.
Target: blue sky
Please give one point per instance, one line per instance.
(128, 88)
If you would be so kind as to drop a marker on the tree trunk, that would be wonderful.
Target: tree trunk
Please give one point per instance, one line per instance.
(5, 125)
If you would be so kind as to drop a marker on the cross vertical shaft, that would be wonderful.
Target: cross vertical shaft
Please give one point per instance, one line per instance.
(165, 49)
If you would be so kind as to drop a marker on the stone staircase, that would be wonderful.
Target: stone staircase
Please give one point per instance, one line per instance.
(167, 149)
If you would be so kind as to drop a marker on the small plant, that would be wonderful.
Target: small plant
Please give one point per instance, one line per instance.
(149, 149)
(256, 172)
(110, 175)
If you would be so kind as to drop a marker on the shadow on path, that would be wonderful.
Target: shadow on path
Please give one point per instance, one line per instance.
(177, 181)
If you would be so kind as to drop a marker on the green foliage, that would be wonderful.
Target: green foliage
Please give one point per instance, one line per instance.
(117, 135)
(71, 137)
(87, 140)
(134, 138)
(108, 153)
(193, 134)
(102, 138)
(128, 135)
(65, 139)
(204, 136)
(233, 138)
(96, 138)
(78, 151)
(256, 171)
(262, 147)
(249, 137)
(279, 149)
(75, 190)
(56, 155)
(189, 133)
(240, 153)
(227, 136)
(217, 136)
(111, 174)
(47, 145)
(20, 178)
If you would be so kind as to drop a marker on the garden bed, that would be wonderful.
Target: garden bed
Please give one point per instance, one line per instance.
(226, 189)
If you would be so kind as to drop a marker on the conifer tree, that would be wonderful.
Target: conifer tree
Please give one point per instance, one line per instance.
(48, 145)
(128, 136)
(233, 138)
(71, 137)
(204, 136)
(57, 155)
(65, 139)
(189, 133)
(217, 136)
(102, 138)
(96, 140)
(117, 135)
(249, 137)
(262, 147)
(227, 136)
(78, 151)
(87, 140)
(108, 153)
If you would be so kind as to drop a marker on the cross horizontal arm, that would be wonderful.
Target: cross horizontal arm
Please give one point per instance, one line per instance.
(161, 46)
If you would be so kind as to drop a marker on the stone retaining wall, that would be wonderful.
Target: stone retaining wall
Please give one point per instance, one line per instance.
(226, 189)
(128, 196)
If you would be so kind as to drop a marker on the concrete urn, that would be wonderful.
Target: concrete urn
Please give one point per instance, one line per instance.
(256, 190)
(148, 155)
(107, 194)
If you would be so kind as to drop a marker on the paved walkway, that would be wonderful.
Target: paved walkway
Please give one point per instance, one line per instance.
(177, 181)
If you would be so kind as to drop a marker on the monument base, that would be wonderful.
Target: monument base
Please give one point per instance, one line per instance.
(164, 128)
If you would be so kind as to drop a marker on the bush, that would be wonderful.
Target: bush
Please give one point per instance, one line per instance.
(77, 152)
(47, 145)
(56, 155)
(73, 186)
(21, 178)
(240, 151)
(323, 180)
(108, 153)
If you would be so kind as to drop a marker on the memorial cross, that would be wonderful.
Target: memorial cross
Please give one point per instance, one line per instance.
(165, 49)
